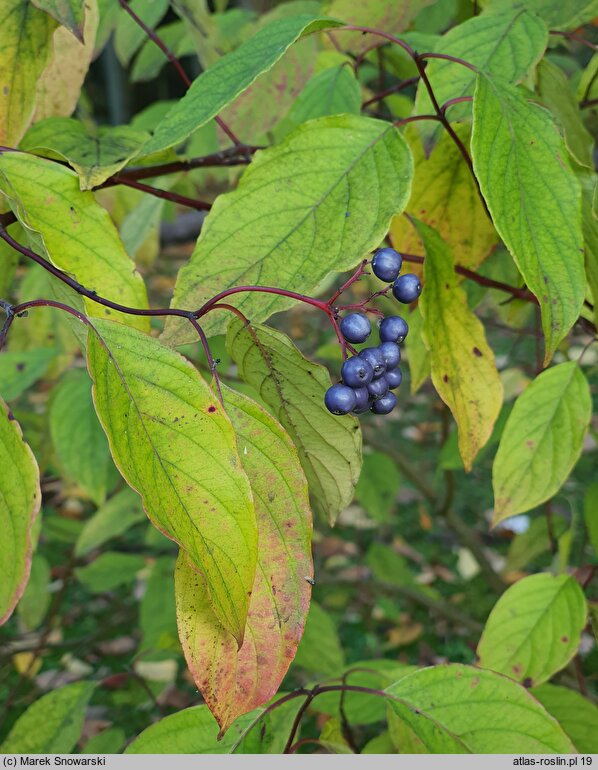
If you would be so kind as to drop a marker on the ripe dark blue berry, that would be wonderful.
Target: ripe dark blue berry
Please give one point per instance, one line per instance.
(385, 404)
(391, 353)
(378, 388)
(393, 329)
(340, 399)
(394, 377)
(407, 288)
(386, 264)
(363, 400)
(356, 327)
(356, 372)
(375, 359)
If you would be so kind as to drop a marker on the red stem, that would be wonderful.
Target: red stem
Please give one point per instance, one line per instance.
(392, 90)
(165, 194)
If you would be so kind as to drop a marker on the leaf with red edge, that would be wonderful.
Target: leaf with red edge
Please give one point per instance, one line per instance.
(234, 681)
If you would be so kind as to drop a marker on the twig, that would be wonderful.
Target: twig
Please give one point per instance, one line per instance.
(182, 200)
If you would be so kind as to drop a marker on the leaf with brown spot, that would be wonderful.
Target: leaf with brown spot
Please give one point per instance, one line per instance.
(235, 681)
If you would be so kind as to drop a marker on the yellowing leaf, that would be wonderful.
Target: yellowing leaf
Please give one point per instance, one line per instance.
(74, 231)
(445, 197)
(235, 681)
(314, 204)
(534, 629)
(534, 197)
(542, 440)
(329, 446)
(25, 48)
(463, 369)
(174, 444)
(20, 499)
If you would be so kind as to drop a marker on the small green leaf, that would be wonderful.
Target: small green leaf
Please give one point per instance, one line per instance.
(109, 741)
(521, 163)
(458, 709)
(464, 372)
(232, 74)
(527, 547)
(534, 629)
(34, 603)
(95, 157)
(320, 650)
(20, 499)
(589, 183)
(329, 446)
(542, 440)
(233, 680)
(25, 49)
(128, 35)
(157, 615)
(77, 436)
(312, 205)
(69, 13)
(111, 520)
(151, 59)
(174, 444)
(576, 715)
(73, 231)
(504, 45)
(110, 570)
(52, 724)
(9, 259)
(19, 370)
(590, 513)
(378, 485)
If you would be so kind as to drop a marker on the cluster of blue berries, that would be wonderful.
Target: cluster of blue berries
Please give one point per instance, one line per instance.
(369, 377)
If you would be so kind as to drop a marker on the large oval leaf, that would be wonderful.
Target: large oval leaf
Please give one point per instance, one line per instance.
(174, 444)
(73, 231)
(313, 204)
(329, 446)
(534, 629)
(542, 440)
(20, 498)
(521, 163)
(232, 74)
(463, 368)
(459, 709)
(577, 716)
(235, 681)
(51, 725)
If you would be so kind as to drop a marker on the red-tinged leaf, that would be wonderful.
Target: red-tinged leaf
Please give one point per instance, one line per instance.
(234, 681)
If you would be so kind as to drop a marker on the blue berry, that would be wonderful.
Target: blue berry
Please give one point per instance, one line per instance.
(356, 327)
(393, 329)
(385, 404)
(407, 288)
(391, 353)
(386, 264)
(375, 359)
(378, 388)
(363, 401)
(394, 377)
(340, 399)
(357, 372)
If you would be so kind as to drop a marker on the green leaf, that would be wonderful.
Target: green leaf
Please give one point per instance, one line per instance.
(576, 715)
(563, 15)
(534, 629)
(229, 76)
(556, 94)
(34, 603)
(114, 518)
(157, 616)
(20, 499)
(109, 741)
(233, 680)
(590, 513)
(94, 156)
(128, 35)
(527, 546)
(329, 189)
(505, 46)
(378, 485)
(589, 182)
(73, 231)
(174, 444)
(445, 197)
(110, 570)
(69, 13)
(151, 59)
(521, 163)
(25, 50)
(77, 436)
(458, 709)
(52, 724)
(418, 356)
(333, 91)
(9, 259)
(19, 370)
(190, 731)
(463, 368)
(320, 650)
(293, 387)
(542, 440)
